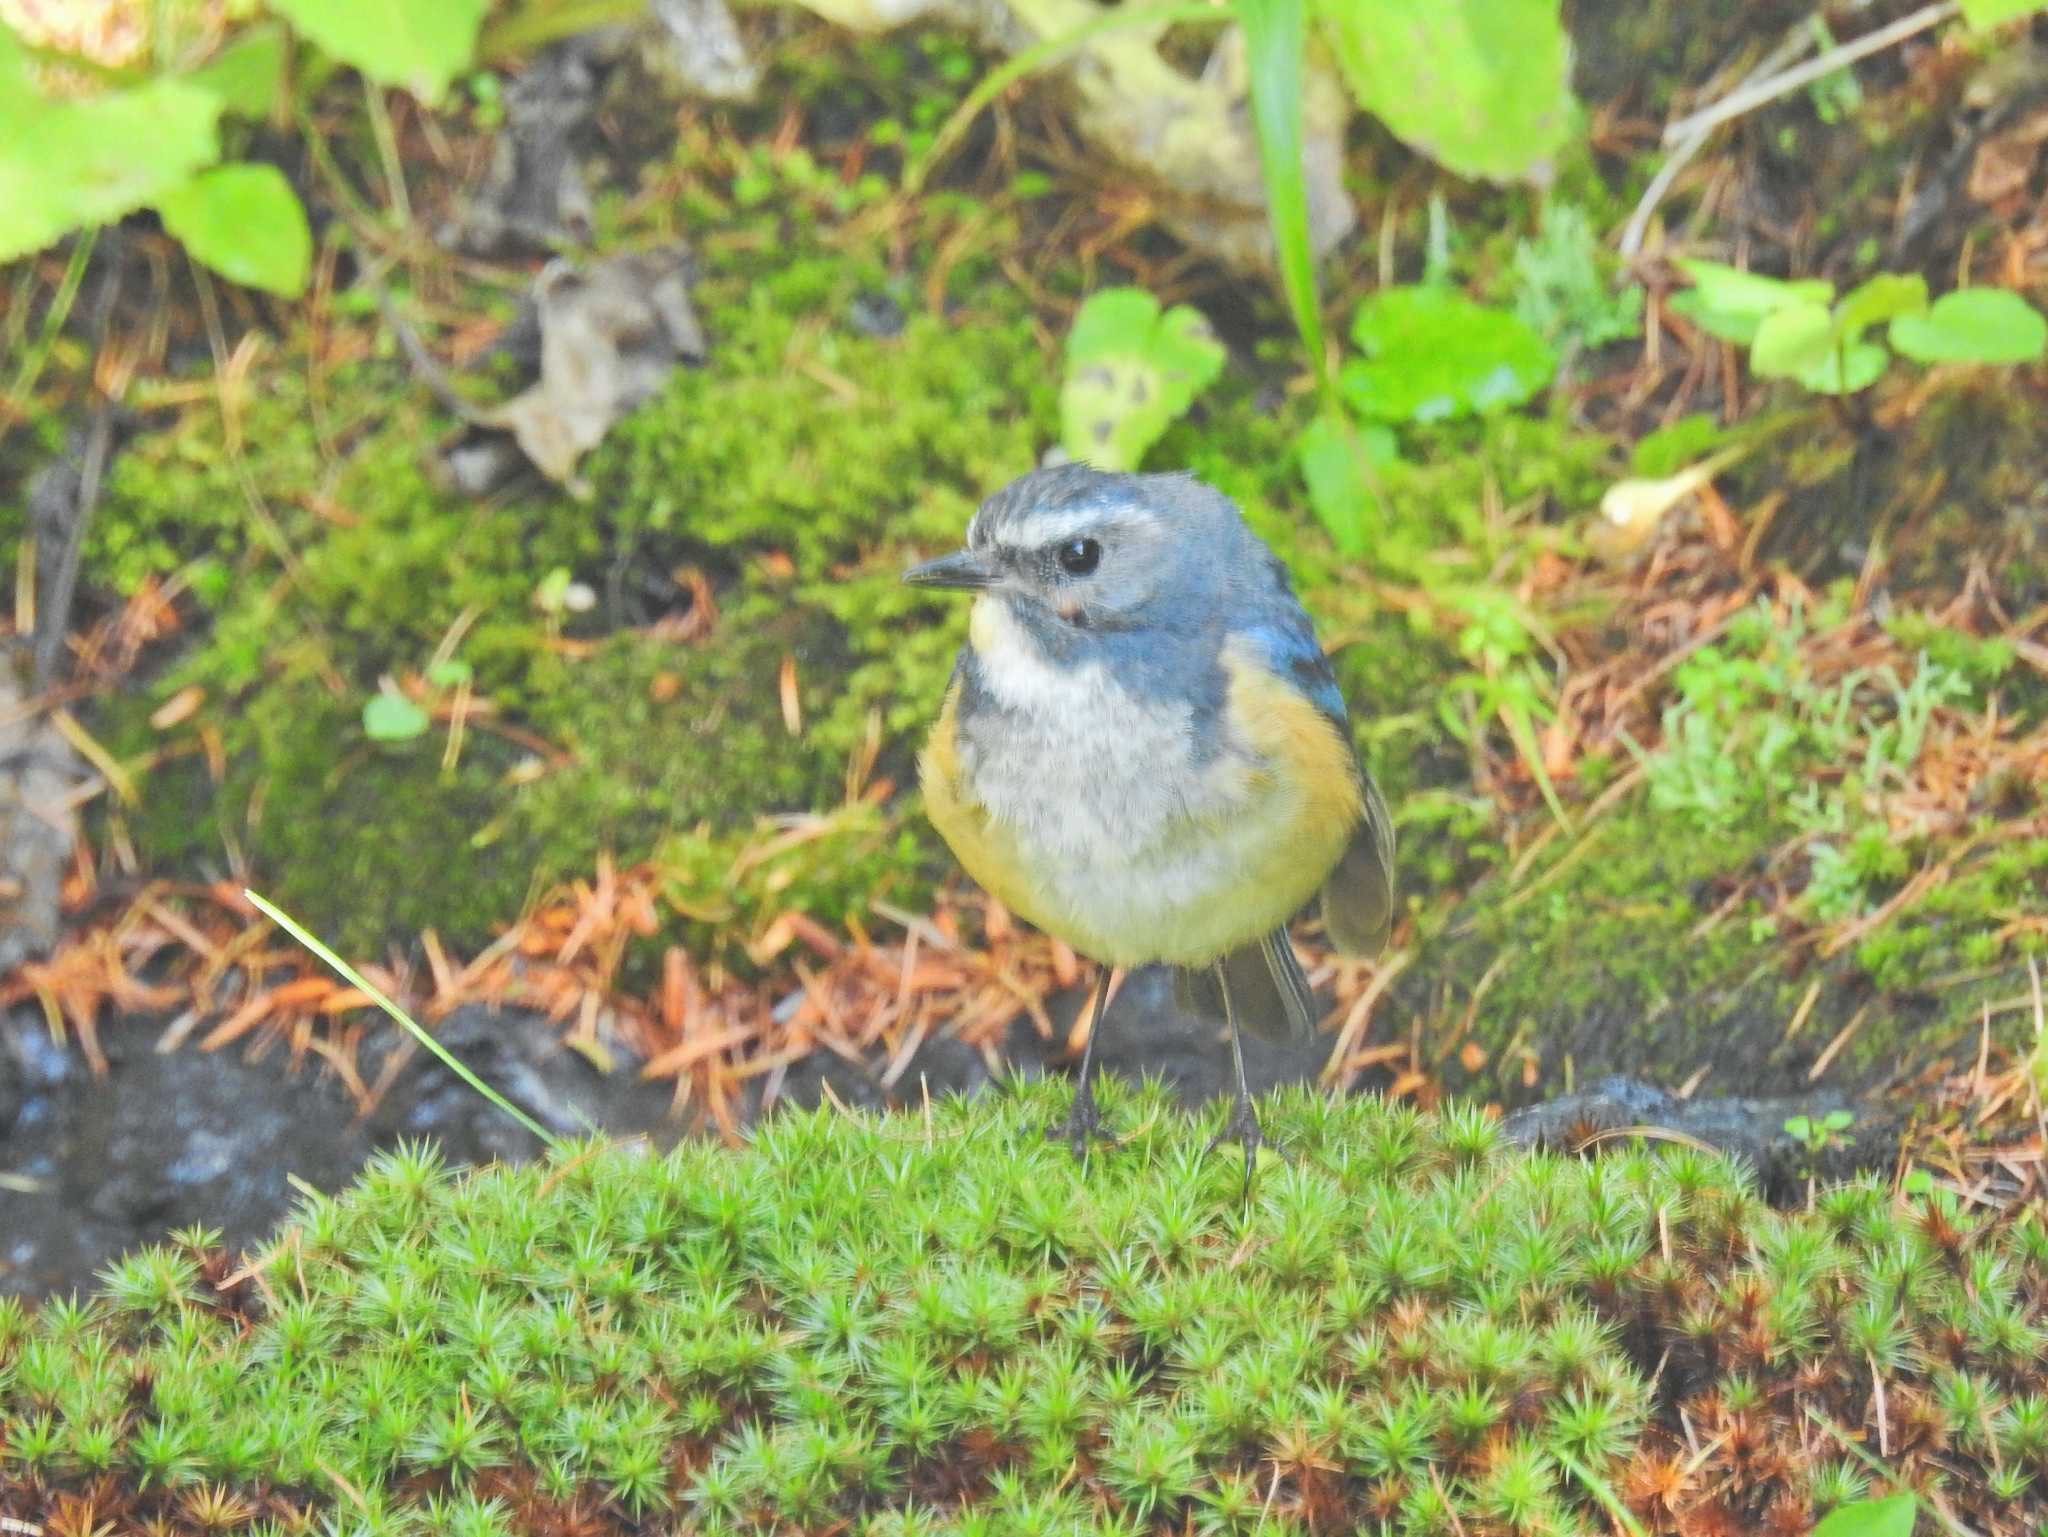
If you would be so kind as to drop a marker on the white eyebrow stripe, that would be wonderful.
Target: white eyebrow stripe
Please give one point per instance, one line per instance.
(1038, 529)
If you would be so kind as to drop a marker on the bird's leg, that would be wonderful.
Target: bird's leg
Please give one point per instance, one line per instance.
(1084, 1122)
(1243, 1125)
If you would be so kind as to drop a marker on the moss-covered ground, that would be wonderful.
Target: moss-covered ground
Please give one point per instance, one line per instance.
(942, 1324)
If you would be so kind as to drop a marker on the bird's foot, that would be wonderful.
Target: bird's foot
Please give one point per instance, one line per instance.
(1083, 1125)
(1243, 1128)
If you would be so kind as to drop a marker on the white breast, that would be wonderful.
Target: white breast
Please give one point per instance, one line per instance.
(1137, 852)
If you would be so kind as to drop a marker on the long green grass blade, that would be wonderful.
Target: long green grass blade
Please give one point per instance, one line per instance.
(363, 985)
(1276, 39)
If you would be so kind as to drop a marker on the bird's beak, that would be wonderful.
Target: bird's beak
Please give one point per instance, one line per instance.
(964, 569)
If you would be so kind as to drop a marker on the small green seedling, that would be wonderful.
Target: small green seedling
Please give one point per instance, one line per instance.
(1131, 372)
(1830, 1131)
(1797, 330)
(1892, 1516)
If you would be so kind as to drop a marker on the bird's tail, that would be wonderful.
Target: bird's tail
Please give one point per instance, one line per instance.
(1268, 993)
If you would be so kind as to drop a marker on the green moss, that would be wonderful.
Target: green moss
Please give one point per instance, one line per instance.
(1685, 929)
(930, 1324)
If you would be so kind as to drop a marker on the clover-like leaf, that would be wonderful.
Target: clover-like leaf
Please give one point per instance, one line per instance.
(1431, 354)
(1848, 367)
(420, 47)
(393, 718)
(1730, 303)
(1482, 87)
(246, 223)
(1792, 341)
(1131, 372)
(1883, 297)
(1973, 325)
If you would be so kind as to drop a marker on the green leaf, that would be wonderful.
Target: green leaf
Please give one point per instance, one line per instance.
(247, 74)
(450, 674)
(1431, 353)
(1891, 1517)
(1328, 450)
(1792, 341)
(1730, 303)
(421, 47)
(393, 718)
(1991, 13)
(1882, 298)
(1973, 325)
(1482, 87)
(246, 223)
(68, 164)
(1131, 372)
(1848, 367)
(1276, 38)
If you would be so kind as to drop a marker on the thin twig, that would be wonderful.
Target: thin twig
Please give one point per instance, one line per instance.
(1747, 98)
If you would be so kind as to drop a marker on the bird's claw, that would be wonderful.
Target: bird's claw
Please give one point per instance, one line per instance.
(1083, 1126)
(1243, 1128)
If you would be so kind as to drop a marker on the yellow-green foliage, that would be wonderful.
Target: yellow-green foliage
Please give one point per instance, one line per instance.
(945, 1325)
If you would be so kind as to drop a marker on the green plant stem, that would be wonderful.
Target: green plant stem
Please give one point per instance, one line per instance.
(1601, 1491)
(362, 984)
(53, 323)
(387, 151)
(1035, 58)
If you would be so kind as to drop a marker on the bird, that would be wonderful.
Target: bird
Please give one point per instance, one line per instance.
(1144, 752)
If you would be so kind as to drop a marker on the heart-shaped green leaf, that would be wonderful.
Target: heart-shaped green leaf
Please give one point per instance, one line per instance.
(1973, 325)
(68, 164)
(1848, 367)
(1791, 341)
(1131, 372)
(1730, 303)
(1431, 353)
(420, 47)
(1884, 297)
(246, 223)
(1482, 87)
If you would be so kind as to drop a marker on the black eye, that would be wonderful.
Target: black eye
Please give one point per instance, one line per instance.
(1078, 557)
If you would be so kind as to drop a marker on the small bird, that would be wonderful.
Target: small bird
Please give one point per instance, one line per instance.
(1144, 752)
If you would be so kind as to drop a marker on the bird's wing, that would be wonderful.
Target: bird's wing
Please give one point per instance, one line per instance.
(1358, 898)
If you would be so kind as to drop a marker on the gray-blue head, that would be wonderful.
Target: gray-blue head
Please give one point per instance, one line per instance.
(1081, 550)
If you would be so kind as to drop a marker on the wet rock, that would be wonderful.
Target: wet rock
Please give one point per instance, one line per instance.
(94, 1167)
(536, 194)
(38, 771)
(877, 315)
(1750, 1129)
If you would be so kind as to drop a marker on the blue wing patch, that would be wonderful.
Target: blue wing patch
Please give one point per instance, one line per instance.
(1290, 649)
